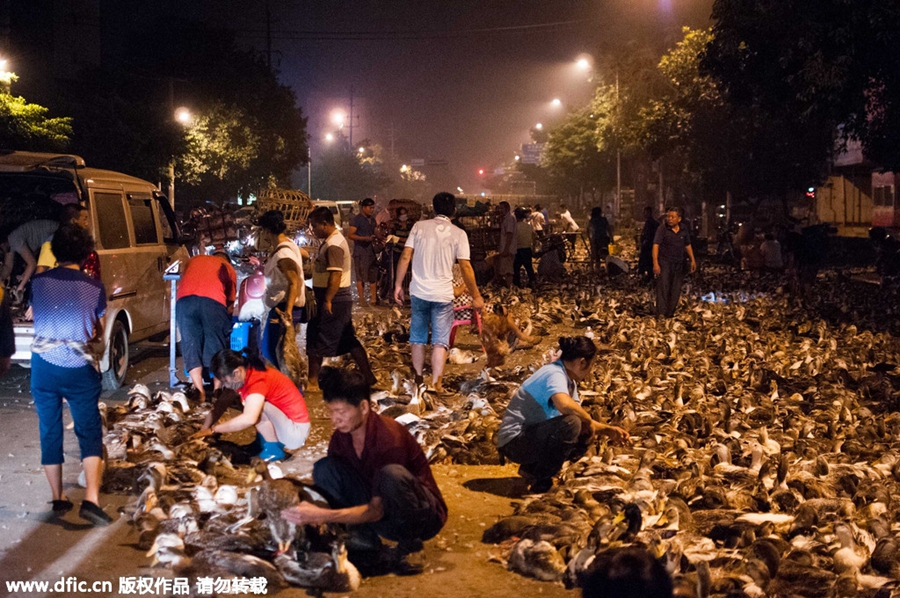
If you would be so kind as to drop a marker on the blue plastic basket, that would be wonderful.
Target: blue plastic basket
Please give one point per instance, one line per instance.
(240, 336)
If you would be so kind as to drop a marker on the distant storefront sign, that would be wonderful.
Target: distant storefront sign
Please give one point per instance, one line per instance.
(417, 162)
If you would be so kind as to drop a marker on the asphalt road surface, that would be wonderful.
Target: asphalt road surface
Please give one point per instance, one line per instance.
(66, 551)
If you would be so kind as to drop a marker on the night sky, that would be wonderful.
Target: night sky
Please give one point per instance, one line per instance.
(459, 80)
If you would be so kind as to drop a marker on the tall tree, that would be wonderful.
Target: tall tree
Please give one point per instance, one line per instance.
(819, 65)
(726, 145)
(573, 157)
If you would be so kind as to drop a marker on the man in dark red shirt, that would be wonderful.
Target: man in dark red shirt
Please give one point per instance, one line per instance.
(376, 477)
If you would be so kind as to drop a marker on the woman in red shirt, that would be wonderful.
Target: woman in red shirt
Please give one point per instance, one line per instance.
(272, 403)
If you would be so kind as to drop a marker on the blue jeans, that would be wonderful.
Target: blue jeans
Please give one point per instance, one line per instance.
(437, 316)
(50, 384)
(273, 333)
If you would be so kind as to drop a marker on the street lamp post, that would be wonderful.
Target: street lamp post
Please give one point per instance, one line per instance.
(183, 116)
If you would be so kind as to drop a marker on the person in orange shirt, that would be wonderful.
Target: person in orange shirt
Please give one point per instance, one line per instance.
(203, 310)
(270, 402)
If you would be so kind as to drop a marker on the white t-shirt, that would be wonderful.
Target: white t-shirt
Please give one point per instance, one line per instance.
(437, 245)
(571, 225)
(277, 284)
(333, 256)
(508, 234)
(537, 221)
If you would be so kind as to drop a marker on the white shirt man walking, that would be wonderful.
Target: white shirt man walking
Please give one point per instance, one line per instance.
(433, 247)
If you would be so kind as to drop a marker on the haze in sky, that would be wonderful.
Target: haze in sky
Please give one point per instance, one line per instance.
(461, 80)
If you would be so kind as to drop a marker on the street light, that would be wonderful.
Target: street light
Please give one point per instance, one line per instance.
(6, 77)
(556, 103)
(329, 137)
(539, 126)
(362, 150)
(337, 117)
(183, 116)
(583, 63)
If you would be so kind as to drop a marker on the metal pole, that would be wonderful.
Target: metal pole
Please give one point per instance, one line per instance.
(172, 183)
(173, 275)
(351, 118)
(662, 193)
(172, 161)
(618, 182)
(309, 172)
(618, 154)
(173, 334)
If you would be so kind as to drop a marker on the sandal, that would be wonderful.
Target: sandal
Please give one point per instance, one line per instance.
(62, 506)
(93, 513)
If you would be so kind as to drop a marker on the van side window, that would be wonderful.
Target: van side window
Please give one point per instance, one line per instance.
(111, 220)
(168, 233)
(143, 221)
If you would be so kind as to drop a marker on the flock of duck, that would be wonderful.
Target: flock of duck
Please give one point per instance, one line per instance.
(206, 509)
(765, 456)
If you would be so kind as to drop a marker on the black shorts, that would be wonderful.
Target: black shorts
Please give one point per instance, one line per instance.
(366, 266)
(329, 335)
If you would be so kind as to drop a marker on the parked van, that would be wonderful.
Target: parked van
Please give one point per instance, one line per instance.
(136, 238)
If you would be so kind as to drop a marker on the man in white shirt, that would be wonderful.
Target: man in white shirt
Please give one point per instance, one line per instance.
(507, 248)
(433, 247)
(26, 240)
(568, 222)
(537, 221)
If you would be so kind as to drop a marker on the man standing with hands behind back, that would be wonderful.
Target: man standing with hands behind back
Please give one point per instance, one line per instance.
(362, 233)
(669, 246)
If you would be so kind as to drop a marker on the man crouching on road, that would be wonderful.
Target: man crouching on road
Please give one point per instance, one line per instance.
(376, 477)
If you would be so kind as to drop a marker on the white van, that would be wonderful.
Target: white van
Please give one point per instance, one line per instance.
(333, 207)
(136, 238)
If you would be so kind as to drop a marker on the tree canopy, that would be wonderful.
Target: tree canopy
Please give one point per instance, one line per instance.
(573, 156)
(823, 66)
(722, 146)
(25, 126)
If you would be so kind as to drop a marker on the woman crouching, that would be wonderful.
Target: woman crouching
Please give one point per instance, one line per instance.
(272, 403)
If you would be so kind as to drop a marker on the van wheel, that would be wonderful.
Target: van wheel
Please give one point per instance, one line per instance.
(114, 377)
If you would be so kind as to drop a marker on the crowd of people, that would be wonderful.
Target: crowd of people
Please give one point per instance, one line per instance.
(436, 252)
(375, 477)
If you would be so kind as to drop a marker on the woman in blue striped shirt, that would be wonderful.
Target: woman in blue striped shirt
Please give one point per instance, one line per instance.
(69, 307)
